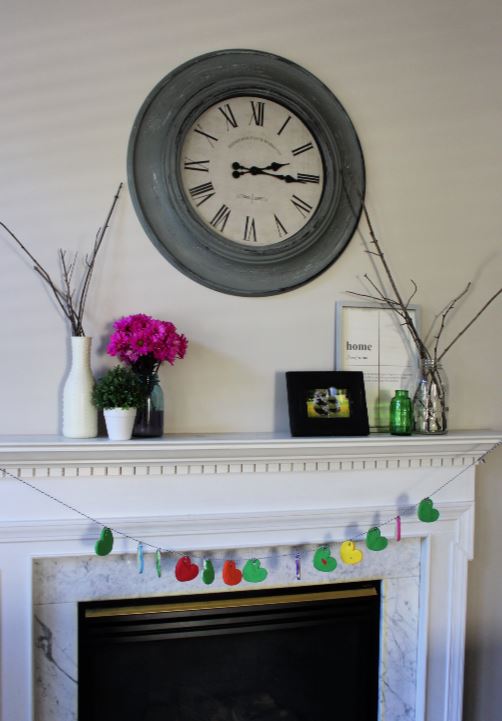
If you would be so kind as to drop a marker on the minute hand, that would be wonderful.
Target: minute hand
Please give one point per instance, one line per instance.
(258, 171)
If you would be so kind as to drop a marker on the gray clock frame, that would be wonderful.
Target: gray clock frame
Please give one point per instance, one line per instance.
(153, 166)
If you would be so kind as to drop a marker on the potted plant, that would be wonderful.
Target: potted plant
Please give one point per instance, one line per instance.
(118, 393)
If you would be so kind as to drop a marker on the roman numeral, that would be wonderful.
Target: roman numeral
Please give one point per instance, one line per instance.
(202, 165)
(209, 137)
(230, 120)
(250, 229)
(301, 205)
(221, 217)
(204, 191)
(306, 178)
(280, 228)
(284, 125)
(258, 112)
(302, 149)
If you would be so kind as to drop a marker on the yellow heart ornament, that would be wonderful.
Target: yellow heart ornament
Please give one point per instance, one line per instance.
(350, 554)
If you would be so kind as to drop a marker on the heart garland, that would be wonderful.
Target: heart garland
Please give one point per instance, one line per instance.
(323, 560)
(232, 576)
(426, 511)
(186, 570)
(104, 544)
(253, 572)
(375, 541)
(350, 554)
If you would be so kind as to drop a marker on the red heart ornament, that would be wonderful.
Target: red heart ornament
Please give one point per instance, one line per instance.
(231, 575)
(186, 570)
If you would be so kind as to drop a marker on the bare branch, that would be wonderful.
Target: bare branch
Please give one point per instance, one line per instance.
(415, 289)
(403, 308)
(70, 300)
(459, 335)
(448, 308)
(90, 264)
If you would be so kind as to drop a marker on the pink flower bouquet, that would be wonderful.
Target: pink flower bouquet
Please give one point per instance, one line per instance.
(144, 342)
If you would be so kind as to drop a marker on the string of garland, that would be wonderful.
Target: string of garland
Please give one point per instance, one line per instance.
(252, 571)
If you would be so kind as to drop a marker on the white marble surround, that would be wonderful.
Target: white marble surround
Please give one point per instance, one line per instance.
(240, 497)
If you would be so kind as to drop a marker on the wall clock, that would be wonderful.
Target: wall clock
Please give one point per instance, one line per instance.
(246, 172)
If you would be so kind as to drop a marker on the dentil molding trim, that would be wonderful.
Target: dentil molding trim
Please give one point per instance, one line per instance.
(52, 456)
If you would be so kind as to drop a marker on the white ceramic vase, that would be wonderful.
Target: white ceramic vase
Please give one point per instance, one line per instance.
(80, 416)
(119, 423)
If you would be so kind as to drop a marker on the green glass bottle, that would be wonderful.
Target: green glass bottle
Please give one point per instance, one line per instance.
(401, 414)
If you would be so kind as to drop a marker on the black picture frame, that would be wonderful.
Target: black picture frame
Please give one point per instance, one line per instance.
(168, 219)
(327, 403)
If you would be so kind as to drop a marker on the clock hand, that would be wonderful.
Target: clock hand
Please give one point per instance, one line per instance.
(253, 170)
(272, 166)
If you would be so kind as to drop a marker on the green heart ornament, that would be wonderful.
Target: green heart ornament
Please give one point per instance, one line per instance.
(426, 511)
(208, 572)
(253, 572)
(323, 560)
(375, 541)
(104, 544)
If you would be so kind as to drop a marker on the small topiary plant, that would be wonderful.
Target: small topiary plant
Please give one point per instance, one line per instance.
(120, 387)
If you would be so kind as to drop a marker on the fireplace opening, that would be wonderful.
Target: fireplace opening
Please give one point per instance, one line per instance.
(303, 654)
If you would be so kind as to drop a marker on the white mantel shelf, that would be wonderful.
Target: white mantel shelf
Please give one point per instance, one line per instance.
(239, 453)
(202, 493)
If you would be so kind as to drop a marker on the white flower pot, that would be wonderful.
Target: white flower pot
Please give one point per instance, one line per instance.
(119, 423)
(80, 416)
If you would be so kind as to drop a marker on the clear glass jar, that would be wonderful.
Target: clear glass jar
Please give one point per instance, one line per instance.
(430, 402)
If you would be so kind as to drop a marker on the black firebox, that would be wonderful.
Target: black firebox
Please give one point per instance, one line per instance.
(302, 654)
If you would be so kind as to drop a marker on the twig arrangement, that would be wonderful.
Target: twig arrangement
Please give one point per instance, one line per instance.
(71, 295)
(400, 305)
(430, 400)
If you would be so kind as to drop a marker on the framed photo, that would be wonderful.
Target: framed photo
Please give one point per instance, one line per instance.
(371, 338)
(327, 403)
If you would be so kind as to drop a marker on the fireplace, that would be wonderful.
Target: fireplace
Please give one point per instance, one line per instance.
(283, 654)
(240, 497)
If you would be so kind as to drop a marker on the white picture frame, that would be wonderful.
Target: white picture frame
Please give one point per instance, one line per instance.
(370, 337)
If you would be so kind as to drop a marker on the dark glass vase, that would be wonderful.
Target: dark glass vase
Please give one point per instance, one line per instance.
(149, 421)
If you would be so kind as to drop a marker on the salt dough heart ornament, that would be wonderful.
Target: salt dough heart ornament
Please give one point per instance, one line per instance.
(253, 572)
(375, 541)
(104, 544)
(350, 554)
(208, 572)
(231, 575)
(426, 511)
(186, 570)
(323, 560)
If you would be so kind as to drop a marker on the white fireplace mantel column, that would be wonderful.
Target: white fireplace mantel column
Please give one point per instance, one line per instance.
(201, 493)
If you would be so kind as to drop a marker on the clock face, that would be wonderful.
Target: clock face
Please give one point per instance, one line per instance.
(251, 171)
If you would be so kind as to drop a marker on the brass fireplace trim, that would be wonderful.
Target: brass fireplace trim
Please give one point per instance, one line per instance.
(235, 602)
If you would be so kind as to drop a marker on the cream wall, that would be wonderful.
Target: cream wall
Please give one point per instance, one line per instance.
(421, 81)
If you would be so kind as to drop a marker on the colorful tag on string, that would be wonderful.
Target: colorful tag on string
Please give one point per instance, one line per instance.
(140, 559)
(298, 567)
(398, 528)
(158, 562)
